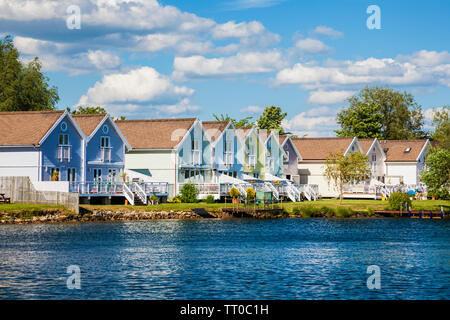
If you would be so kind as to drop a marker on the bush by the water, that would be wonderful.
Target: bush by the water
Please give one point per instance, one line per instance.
(327, 211)
(343, 212)
(399, 201)
(210, 199)
(189, 193)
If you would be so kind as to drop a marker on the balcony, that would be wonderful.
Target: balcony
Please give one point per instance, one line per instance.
(228, 158)
(105, 154)
(64, 153)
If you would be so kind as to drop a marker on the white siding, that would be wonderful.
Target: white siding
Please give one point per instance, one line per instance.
(408, 171)
(160, 164)
(315, 175)
(20, 162)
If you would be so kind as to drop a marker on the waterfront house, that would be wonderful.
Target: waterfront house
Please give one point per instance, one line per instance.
(290, 166)
(376, 156)
(105, 148)
(405, 160)
(175, 151)
(43, 145)
(275, 155)
(314, 152)
(228, 149)
(255, 156)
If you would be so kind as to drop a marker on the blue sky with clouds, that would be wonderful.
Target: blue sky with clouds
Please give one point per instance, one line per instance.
(173, 58)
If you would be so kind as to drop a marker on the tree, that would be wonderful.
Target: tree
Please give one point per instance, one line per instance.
(245, 122)
(189, 193)
(234, 193)
(436, 175)
(442, 127)
(342, 169)
(381, 112)
(23, 87)
(88, 110)
(271, 119)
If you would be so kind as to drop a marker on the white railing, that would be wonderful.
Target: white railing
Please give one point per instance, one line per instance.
(64, 153)
(195, 157)
(273, 190)
(154, 187)
(204, 188)
(116, 188)
(129, 195)
(228, 158)
(292, 192)
(252, 161)
(137, 189)
(241, 189)
(105, 154)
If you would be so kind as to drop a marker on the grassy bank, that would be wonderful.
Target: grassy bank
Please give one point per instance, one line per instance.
(28, 211)
(355, 205)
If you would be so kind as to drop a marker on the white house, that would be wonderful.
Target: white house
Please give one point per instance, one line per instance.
(313, 154)
(405, 160)
(374, 152)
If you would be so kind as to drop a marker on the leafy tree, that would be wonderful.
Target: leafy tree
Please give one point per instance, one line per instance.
(399, 201)
(23, 87)
(245, 122)
(437, 173)
(189, 193)
(442, 127)
(342, 169)
(88, 110)
(271, 119)
(381, 112)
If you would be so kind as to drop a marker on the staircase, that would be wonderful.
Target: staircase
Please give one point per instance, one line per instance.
(292, 193)
(241, 190)
(274, 190)
(140, 198)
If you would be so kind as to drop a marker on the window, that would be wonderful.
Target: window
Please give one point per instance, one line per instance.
(71, 174)
(374, 157)
(186, 175)
(105, 129)
(54, 174)
(63, 126)
(63, 139)
(407, 150)
(105, 142)
(97, 174)
(286, 159)
(228, 146)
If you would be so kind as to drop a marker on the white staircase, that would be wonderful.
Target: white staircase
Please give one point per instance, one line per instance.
(129, 195)
(240, 189)
(274, 190)
(137, 189)
(292, 192)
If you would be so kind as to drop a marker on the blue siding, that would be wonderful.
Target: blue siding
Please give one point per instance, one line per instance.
(93, 153)
(50, 152)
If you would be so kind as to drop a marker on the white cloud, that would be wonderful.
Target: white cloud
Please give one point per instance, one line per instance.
(252, 109)
(339, 74)
(141, 86)
(327, 31)
(242, 63)
(328, 97)
(103, 60)
(312, 46)
(317, 122)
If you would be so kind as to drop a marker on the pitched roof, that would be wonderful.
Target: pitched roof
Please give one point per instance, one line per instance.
(215, 128)
(282, 138)
(88, 122)
(397, 150)
(26, 127)
(155, 133)
(366, 144)
(320, 148)
(244, 131)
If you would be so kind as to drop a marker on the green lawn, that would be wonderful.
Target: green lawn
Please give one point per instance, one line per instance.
(27, 207)
(355, 205)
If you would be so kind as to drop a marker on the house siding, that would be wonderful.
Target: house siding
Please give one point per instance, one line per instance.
(20, 162)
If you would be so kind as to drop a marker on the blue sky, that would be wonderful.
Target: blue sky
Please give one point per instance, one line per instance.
(172, 58)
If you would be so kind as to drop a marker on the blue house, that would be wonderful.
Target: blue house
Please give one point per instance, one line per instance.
(105, 148)
(44, 145)
(228, 146)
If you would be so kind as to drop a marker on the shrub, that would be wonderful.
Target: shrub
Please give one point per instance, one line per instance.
(343, 212)
(189, 193)
(308, 211)
(250, 193)
(370, 212)
(210, 199)
(234, 193)
(399, 200)
(154, 199)
(174, 200)
(327, 211)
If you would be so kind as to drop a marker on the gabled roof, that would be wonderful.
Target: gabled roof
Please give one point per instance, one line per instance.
(88, 122)
(283, 138)
(320, 148)
(366, 144)
(288, 139)
(244, 132)
(215, 129)
(403, 150)
(155, 133)
(26, 127)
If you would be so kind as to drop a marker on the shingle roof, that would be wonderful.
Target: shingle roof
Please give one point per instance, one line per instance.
(396, 149)
(88, 122)
(366, 144)
(244, 131)
(155, 133)
(320, 148)
(215, 128)
(26, 127)
(282, 138)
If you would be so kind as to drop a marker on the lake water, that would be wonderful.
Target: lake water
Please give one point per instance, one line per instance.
(228, 259)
